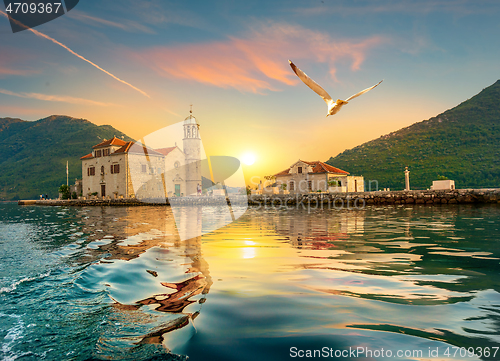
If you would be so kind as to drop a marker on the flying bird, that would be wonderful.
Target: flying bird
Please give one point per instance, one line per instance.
(333, 106)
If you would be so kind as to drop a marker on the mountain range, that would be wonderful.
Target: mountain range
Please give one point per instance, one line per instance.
(33, 154)
(460, 144)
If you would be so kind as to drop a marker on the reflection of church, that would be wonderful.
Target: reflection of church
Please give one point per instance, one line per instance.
(119, 169)
(170, 277)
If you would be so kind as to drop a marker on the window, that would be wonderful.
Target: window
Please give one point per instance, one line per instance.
(299, 170)
(115, 168)
(292, 185)
(105, 152)
(309, 185)
(90, 171)
(143, 168)
(177, 164)
(102, 170)
(98, 153)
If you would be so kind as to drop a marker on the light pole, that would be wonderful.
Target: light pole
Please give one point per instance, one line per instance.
(407, 179)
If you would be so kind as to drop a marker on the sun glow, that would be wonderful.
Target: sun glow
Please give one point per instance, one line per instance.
(248, 159)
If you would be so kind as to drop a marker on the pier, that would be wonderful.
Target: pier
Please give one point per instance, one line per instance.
(361, 199)
(357, 199)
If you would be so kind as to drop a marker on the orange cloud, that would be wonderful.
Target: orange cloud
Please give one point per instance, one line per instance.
(9, 71)
(11, 61)
(259, 61)
(54, 98)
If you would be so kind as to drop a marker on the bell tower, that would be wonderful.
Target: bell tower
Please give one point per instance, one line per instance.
(192, 152)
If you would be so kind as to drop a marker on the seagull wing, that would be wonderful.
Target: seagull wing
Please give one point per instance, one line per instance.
(362, 92)
(311, 83)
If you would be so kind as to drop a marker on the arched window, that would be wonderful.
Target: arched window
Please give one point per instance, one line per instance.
(102, 170)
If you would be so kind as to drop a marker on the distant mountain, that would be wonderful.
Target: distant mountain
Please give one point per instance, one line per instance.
(462, 144)
(33, 155)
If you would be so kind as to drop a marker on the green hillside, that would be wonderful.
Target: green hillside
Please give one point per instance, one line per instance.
(33, 155)
(461, 144)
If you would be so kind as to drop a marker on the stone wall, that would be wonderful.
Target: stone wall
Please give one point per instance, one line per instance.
(130, 202)
(423, 197)
(356, 200)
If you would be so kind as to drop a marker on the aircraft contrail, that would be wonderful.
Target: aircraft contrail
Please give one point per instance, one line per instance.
(74, 53)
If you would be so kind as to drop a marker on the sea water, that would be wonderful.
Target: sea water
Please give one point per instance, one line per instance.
(399, 283)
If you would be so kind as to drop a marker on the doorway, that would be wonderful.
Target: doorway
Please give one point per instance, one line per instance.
(103, 190)
(177, 190)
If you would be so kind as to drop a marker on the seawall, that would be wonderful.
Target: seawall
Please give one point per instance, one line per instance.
(131, 202)
(360, 199)
(355, 199)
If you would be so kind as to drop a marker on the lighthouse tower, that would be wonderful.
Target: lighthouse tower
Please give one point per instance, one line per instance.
(192, 151)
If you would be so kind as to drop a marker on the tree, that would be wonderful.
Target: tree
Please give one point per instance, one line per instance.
(270, 179)
(64, 191)
(334, 183)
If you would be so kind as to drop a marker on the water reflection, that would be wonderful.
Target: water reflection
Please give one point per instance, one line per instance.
(424, 257)
(118, 283)
(156, 282)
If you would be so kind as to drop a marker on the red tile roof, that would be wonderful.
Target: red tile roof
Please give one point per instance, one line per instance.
(124, 148)
(136, 148)
(284, 172)
(318, 167)
(112, 141)
(165, 151)
(88, 156)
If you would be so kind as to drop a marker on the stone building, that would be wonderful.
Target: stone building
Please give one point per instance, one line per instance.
(119, 169)
(304, 177)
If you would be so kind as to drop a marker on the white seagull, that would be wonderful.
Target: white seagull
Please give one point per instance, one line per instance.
(333, 107)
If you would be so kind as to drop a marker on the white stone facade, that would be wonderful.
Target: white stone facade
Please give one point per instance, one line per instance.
(306, 177)
(443, 184)
(119, 169)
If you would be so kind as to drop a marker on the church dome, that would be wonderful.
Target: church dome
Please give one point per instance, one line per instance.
(190, 120)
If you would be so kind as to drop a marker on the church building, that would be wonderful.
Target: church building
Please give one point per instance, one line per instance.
(119, 169)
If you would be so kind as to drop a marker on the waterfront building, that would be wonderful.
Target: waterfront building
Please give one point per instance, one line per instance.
(443, 184)
(305, 177)
(119, 169)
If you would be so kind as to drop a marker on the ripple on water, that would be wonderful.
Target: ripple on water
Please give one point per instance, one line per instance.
(106, 283)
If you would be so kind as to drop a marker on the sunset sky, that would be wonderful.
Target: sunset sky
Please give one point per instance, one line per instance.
(230, 60)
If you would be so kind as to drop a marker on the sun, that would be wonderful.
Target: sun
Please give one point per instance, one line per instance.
(248, 158)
